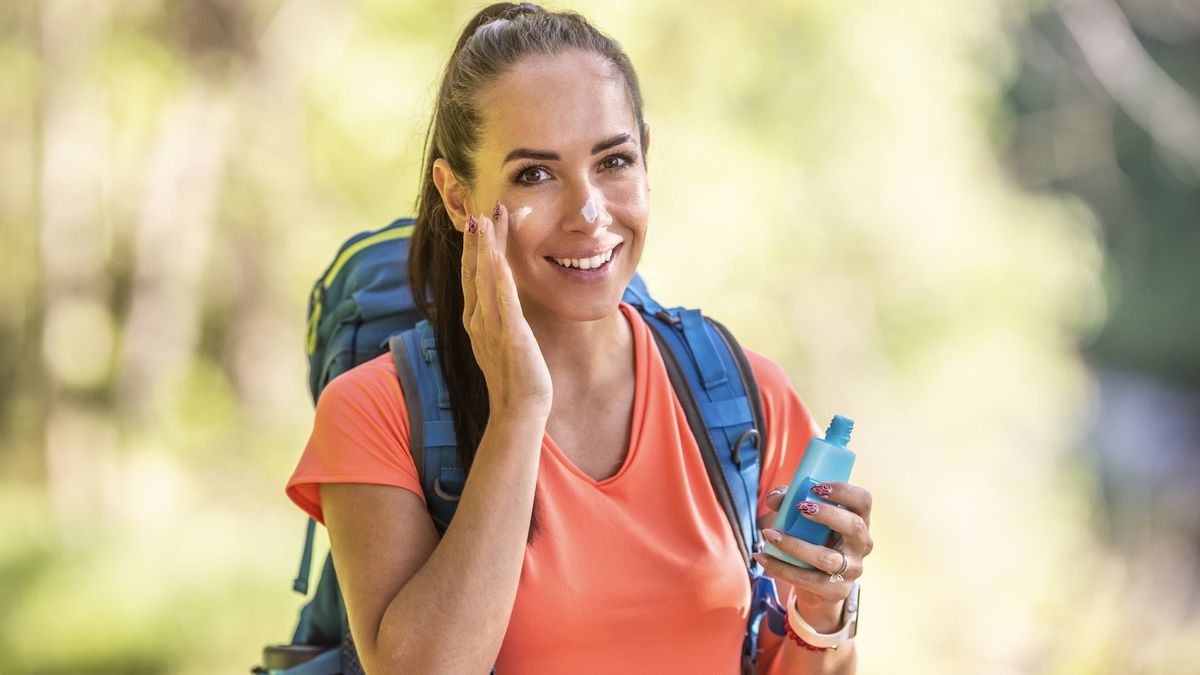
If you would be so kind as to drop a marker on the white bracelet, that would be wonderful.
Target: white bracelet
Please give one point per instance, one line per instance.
(826, 640)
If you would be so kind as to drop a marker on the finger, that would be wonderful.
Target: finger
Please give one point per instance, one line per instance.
(469, 266)
(509, 304)
(774, 498)
(500, 218)
(823, 558)
(853, 497)
(811, 580)
(485, 281)
(845, 522)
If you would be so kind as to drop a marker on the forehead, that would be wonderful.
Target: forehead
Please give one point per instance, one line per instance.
(553, 102)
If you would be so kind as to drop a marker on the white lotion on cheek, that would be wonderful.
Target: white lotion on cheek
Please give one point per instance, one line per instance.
(589, 212)
(521, 213)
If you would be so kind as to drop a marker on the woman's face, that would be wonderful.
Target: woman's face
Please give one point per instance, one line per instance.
(560, 150)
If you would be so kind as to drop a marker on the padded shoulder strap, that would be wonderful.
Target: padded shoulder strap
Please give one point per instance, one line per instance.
(719, 395)
(432, 440)
(709, 384)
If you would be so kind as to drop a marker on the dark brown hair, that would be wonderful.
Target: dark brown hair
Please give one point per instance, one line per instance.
(493, 41)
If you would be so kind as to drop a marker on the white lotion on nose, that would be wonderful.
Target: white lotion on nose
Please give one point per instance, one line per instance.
(589, 212)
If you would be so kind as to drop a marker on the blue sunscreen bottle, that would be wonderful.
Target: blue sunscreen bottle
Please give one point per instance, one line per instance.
(825, 460)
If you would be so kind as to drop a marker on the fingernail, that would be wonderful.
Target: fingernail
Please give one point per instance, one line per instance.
(778, 491)
(471, 224)
(483, 223)
(808, 508)
(773, 536)
(496, 211)
(822, 489)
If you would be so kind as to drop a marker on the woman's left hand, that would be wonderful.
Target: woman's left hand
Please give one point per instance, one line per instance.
(816, 593)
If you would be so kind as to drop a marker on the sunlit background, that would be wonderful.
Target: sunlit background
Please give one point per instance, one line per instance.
(972, 226)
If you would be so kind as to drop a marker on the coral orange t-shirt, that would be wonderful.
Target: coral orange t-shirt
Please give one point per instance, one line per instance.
(639, 572)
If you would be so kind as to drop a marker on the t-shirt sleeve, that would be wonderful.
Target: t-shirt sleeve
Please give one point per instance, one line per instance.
(789, 426)
(360, 435)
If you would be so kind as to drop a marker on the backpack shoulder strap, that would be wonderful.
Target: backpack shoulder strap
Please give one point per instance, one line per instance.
(432, 441)
(720, 397)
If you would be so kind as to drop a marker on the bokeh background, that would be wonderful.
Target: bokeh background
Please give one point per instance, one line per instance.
(972, 226)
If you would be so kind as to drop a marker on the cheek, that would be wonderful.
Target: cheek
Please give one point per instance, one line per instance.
(519, 217)
(628, 203)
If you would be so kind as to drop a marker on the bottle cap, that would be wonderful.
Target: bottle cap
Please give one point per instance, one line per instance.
(839, 430)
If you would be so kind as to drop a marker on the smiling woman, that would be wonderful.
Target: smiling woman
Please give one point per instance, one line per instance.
(588, 537)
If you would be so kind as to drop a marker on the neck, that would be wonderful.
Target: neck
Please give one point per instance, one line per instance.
(585, 357)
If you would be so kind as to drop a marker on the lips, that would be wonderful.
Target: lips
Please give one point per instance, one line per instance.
(592, 275)
(587, 260)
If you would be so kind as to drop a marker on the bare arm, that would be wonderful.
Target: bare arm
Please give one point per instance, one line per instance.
(409, 597)
(417, 605)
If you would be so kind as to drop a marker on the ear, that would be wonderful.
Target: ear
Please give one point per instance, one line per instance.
(455, 195)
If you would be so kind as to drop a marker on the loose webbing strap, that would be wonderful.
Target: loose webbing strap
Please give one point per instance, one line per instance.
(300, 585)
(432, 442)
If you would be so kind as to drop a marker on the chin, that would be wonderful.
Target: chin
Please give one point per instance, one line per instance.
(589, 307)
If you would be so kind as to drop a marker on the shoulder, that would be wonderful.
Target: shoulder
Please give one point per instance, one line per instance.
(372, 384)
(768, 374)
(781, 402)
(365, 399)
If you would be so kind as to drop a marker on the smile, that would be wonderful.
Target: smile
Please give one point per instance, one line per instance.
(592, 262)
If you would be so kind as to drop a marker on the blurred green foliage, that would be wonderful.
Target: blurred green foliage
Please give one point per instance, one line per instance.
(177, 173)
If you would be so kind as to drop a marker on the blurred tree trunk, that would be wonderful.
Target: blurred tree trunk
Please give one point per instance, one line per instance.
(172, 244)
(180, 210)
(96, 362)
(76, 242)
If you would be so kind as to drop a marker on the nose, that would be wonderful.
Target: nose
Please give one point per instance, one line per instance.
(585, 211)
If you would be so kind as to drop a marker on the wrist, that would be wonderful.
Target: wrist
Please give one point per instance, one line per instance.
(824, 617)
(517, 427)
(520, 415)
(816, 639)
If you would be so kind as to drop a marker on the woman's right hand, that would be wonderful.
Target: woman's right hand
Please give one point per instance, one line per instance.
(518, 380)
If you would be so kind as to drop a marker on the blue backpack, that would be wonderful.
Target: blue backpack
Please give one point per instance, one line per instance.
(362, 306)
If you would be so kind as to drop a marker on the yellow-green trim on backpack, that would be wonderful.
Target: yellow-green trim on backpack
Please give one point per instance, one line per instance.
(314, 319)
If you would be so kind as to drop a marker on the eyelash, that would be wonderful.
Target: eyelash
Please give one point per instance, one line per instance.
(626, 157)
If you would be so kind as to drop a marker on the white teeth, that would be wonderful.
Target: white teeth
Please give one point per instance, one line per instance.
(586, 263)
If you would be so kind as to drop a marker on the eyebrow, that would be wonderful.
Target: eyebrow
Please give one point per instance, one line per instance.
(526, 153)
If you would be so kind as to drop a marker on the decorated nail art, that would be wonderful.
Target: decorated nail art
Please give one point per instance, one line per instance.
(822, 489)
(471, 224)
(808, 508)
(496, 211)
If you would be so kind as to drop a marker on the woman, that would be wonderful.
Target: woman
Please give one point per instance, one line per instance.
(587, 538)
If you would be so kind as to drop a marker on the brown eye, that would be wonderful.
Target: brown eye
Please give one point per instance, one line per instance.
(617, 162)
(531, 176)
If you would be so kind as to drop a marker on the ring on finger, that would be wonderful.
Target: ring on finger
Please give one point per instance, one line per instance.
(836, 577)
